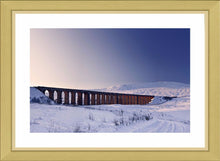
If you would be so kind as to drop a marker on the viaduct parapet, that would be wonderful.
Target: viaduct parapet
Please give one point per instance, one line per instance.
(89, 97)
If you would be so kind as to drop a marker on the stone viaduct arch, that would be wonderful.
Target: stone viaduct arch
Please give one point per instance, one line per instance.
(86, 97)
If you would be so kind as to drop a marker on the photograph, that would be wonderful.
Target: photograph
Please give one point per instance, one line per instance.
(110, 80)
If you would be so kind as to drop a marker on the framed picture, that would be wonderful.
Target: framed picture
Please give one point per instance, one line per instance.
(113, 80)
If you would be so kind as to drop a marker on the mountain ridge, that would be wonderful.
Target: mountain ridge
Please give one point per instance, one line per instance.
(162, 88)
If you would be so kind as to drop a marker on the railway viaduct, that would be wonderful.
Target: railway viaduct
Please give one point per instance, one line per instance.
(89, 97)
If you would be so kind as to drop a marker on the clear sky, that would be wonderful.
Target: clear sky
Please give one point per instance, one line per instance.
(97, 58)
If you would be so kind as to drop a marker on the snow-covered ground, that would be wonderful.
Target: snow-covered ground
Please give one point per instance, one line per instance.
(161, 115)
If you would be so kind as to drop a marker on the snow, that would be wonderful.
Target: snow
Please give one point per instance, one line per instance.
(153, 88)
(37, 96)
(161, 115)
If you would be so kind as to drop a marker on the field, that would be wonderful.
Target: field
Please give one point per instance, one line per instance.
(161, 115)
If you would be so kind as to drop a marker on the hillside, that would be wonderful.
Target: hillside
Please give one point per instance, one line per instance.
(161, 115)
(152, 88)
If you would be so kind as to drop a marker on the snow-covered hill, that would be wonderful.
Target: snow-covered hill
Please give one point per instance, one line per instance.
(152, 88)
(37, 96)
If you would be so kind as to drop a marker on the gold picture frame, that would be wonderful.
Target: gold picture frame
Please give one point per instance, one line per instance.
(7, 117)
